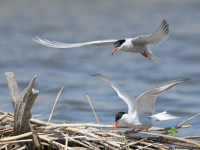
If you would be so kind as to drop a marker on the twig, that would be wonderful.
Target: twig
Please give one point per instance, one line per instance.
(188, 120)
(84, 132)
(16, 141)
(36, 141)
(146, 147)
(191, 137)
(123, 131)
(6, 131)
(3, 116)
(53, 142)
(93, 110)
(133, 143)
(172, 137)
(20, 136)
(76, 141)
(156, 146)
(22, 148)
(16, 137)
(55, 104)
(104, 126)
(179, 144)
(66, 141)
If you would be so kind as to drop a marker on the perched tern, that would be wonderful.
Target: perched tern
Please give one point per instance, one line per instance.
(134, 45)
(140, 111)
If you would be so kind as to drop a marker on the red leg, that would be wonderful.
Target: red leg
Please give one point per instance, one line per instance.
(130, 131)
(144, 54)
(146, 130)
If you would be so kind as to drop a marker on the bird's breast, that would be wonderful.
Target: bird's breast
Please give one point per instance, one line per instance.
(135, 122)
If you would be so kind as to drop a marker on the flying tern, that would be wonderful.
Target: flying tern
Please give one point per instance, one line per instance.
(134, 45)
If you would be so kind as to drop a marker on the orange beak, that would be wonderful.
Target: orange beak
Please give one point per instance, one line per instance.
(114, 50)
(115, 124)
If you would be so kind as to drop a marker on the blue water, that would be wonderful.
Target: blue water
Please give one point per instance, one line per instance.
(81, 21)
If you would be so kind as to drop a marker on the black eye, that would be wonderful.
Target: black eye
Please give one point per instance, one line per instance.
(119, 43)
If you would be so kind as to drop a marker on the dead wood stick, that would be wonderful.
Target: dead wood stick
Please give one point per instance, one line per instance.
(163, 140)
(35, 138)
(151, 129)
(55, 104)
(188, 120)
(66, 141)
(133, 143)
(88, 143)
(22, 148)
(13, 88)
(163, 147)
(91, 135)
(9, 113)
(93, 109)
(76, 141)
(34, 121)
(20, 136)
(104, 126)
(16, 141)
(22, 103)
(16, 137)
(61, 146)
(3, 116)
(146, 147)
(191, 137)
(102, 139)
(39, 122)
(6, 132)
(172, 137)
(179, 144)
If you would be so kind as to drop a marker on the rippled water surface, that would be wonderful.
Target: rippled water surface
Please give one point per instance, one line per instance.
(81, 21)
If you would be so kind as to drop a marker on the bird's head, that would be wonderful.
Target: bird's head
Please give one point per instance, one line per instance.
(118, 117)
(118, 45)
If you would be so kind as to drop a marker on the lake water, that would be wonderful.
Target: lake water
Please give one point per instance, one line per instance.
(81, 21)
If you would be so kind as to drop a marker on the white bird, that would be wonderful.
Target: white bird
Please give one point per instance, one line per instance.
(140, 111)
(134, 45)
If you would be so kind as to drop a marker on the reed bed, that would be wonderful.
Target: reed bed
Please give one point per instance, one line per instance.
(87, 136)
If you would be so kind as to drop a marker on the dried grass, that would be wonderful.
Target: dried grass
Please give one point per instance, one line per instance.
(88, 136)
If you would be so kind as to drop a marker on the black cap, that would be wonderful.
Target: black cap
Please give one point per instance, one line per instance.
(119, 43)
(119, 116)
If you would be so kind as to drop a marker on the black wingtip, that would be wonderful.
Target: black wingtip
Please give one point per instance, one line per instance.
(94, 74)
(187, 79)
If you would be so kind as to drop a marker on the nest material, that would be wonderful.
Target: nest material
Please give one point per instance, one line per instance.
(84, 136)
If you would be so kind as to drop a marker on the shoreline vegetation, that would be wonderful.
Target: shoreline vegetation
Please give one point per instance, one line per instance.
(20, 131)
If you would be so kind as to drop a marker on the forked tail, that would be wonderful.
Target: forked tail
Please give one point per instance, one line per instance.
(151, 56)
(163, 116)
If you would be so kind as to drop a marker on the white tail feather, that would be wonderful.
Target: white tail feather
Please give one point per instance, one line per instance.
(152, 56)
(163, 116)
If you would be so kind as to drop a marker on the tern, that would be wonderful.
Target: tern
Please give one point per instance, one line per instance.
(140, 110)
(134, 45)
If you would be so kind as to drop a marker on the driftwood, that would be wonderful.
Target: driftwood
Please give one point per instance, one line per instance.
(22, 104)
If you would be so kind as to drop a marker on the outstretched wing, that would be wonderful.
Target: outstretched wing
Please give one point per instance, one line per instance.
(55, 44)
(130, 101)
(145, 102)
(160, 35)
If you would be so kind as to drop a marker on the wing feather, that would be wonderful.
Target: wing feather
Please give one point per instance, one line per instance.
(55, 44)
(145, 102)
(130, 101)
(160, 35)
